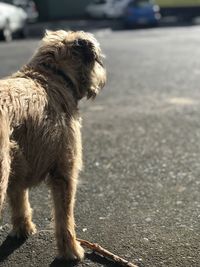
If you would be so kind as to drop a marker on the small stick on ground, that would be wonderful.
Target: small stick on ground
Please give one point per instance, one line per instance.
(97, 248)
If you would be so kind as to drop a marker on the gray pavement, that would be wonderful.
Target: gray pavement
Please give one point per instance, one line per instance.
(138, 195)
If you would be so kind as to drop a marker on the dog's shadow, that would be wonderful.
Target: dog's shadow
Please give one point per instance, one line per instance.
(93, 257)
(9, 245)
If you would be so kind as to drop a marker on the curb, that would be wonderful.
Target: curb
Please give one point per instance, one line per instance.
(38, 29)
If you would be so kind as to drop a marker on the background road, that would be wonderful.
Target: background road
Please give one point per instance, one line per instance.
(139, 192)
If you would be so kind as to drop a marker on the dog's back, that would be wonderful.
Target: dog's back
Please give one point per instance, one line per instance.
(33, 119)
(21, 98)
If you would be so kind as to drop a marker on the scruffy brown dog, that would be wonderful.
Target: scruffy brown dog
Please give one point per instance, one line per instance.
(40, 130)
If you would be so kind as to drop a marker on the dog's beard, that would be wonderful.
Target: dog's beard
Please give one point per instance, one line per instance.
(98, 80)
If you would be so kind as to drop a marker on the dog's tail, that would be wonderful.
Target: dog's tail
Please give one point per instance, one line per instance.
(4, 157)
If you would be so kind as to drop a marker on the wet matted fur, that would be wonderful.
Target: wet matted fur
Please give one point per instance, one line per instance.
(40, 130)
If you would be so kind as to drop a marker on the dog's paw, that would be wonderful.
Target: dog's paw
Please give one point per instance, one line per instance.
(23, 230)
(74, 253)
(78, 252)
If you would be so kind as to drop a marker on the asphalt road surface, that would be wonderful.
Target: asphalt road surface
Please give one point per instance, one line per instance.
(139, 193)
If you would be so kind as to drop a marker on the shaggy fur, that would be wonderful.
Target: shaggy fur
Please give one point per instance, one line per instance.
(40, 130)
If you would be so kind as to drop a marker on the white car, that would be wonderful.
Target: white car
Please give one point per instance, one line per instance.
(29, 7)
(106, 8)
(12, 20)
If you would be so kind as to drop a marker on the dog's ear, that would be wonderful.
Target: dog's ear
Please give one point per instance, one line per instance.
(85, 49)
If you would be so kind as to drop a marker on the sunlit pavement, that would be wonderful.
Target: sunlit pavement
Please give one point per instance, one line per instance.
(139, 192)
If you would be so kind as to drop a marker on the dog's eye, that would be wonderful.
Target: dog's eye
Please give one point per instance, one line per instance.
(80, 43)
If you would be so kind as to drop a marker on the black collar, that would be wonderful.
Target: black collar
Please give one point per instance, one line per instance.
(64, 76)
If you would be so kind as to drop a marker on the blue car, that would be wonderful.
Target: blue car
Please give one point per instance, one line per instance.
(141, 12)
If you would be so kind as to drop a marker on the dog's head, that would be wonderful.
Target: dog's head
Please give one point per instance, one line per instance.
(79, 56)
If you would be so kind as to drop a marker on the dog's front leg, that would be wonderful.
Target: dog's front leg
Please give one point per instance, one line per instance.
(63, 187)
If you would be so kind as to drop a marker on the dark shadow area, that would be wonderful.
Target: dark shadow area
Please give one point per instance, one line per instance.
(63, 263)
(93, 257)
(9, 245)
(37, 30)
(162, 24)
(101, 260)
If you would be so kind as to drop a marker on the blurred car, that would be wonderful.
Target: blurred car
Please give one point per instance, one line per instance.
(141, 12)
(106, 8)
(30, 8)
(12, 20)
